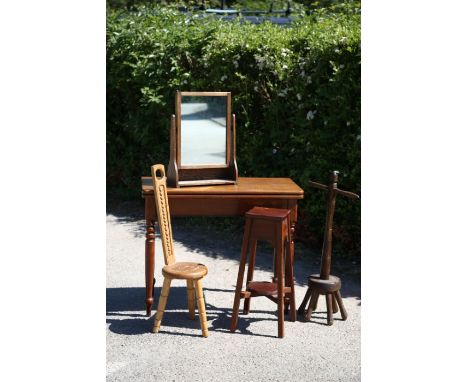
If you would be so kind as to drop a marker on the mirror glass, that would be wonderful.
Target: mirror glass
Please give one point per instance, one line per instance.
(203, 130)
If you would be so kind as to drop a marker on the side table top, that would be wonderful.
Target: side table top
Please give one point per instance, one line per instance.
(244, 186)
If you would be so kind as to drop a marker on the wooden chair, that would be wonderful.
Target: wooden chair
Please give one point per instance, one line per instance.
(191, 272)
(272, 225)
(325, 283)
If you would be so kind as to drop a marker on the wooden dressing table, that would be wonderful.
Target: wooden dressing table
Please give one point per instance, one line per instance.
(219, 200)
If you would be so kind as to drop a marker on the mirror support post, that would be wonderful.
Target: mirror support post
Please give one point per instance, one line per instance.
(232, 162)
(172, 171)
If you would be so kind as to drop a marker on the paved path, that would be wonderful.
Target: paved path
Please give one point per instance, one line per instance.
(310, 351)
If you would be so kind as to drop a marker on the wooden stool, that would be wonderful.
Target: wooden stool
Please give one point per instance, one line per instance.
(192, 272)
(272, 225)
(324, 283)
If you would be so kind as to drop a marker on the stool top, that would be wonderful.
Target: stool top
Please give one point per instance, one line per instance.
(269, 213)
(262, 288)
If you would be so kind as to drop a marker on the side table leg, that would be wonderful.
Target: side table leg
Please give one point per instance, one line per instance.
(291, 227)
(292, 231)
(149, 265)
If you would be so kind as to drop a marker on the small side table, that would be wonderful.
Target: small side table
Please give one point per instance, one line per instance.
(272, 225)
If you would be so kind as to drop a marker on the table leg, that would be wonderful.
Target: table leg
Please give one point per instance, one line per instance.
(149, 265)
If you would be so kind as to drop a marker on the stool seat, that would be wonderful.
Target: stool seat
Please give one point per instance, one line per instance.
(324, 286)
(185, 271)
(263, 288)
(268, 213)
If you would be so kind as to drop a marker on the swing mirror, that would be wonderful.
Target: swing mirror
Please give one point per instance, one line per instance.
(202, 140)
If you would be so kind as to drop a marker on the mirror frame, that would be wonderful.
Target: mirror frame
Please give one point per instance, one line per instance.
(197, 175)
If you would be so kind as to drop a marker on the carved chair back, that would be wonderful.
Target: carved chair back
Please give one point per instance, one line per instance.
(162, 206)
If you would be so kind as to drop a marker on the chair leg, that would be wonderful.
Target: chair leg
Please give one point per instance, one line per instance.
(191, 299)
(310, 308)
(201, 307)
(344, 314)
(240, 276)
(250, 272)
(329, 298)
(335, 306)
(301, 309)
(162, 304)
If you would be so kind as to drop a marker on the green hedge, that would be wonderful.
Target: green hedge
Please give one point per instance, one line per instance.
(296, 95)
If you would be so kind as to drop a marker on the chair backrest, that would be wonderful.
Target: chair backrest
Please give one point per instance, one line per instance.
(162, 206)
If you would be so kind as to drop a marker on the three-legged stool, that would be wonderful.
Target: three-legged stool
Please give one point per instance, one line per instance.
(272, 225)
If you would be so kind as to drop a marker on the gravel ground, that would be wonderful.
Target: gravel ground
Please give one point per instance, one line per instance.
(310, 350)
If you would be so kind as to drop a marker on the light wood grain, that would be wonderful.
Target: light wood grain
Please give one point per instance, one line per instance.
(185, 271)
(162, 207)
(191, 299)
(201, 307)
(162, 304)
(192, 272)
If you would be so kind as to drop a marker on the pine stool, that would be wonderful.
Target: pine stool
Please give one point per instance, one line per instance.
(272, 225)
(325, 283)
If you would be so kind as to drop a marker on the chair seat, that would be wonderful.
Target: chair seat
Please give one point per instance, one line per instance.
(185, 271)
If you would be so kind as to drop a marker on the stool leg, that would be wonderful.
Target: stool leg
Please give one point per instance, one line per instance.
(162, 304)
(310, 308)
(275, 266)
(344, 314)
(335, 306)
(315, 301)
(287, 302)
(250, 272)
(191, 299)
(201, 307)
(240, 276)
(329, 298)
(290, 282)
(280, 279)
(306, 298)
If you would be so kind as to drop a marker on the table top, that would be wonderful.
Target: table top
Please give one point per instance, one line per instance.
(244, 186)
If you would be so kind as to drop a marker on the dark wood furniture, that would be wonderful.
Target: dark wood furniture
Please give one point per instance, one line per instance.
(191, 272)
(325, 283)
(272, 225)
(201, 122)
(223, 200)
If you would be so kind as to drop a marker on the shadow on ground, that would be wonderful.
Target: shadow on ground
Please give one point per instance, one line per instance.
(125, 312)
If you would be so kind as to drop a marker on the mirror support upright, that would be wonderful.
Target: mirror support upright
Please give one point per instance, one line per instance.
(173, 174)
